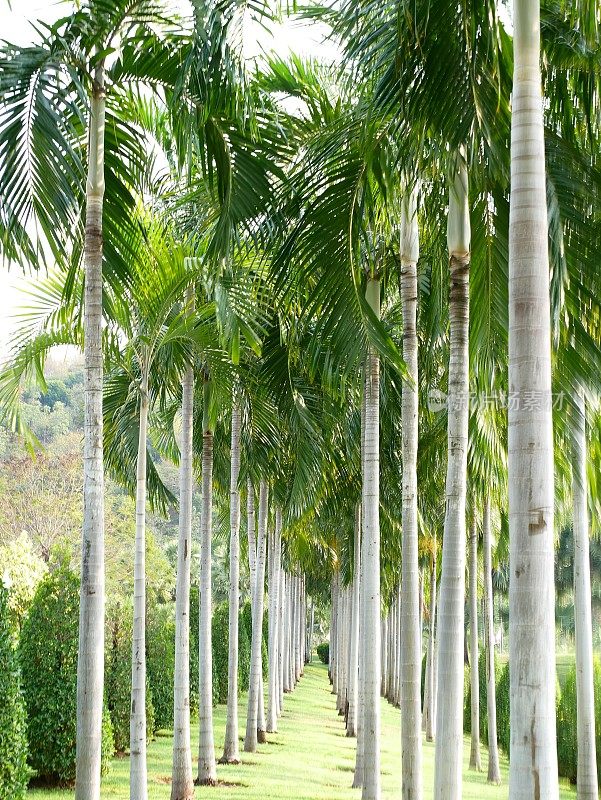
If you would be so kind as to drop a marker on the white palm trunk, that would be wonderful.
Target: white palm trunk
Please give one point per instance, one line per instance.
(430, 688)
(182, 786)
(281, 638)
(494, 773)
(138, 783)
(298, 627)
(475, 760)
(397, 687)
(274, 599)
(207, 767)
(351, 725)
(371, 562)
(585, 697)
(90, 660)
(449, 724)
(396, 654)
(251, 537)
(533, 749)
(255, 688)
(288, 629)
(411, 742)
(384, 656)
(231, 754)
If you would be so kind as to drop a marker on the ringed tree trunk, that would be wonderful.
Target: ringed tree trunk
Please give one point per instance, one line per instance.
(90, 659)
(494, 773)
(252, 721)
(585, 697)
(371, 561)
(410, 651)
(231, 754)
(207, 767)
(430, 690)
(351, 724)
(533, 748)
(272, 716)
(182, 785)
(475, 760)
(449, 722)
(138, 782)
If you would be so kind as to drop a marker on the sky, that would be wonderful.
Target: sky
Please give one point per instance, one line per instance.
(17, 28)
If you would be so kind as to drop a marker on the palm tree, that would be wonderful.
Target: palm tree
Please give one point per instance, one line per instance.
(494, 774)
(533, 756)
(585, 700)
(231, 753)
(44, 130)
(449, 733)
(410, 645)
(207, 768)
(475, 762)
(252, 721)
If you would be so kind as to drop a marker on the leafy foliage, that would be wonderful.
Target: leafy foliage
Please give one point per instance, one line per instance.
(567, 744)
(118, 676)
(49, 670)
(323, 652)
(160, 662)
(14, 772)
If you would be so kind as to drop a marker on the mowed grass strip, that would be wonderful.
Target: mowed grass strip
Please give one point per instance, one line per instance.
(310, 758)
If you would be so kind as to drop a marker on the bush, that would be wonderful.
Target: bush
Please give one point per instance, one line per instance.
(323, 652)
(567, 747)
(220, 641)
(118, 677)
(48, 659)
(467, 710)
(246, 615)
(160, 662)
(503, 733)
(14, 772)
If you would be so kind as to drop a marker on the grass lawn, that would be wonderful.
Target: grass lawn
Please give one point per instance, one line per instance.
(309, 759)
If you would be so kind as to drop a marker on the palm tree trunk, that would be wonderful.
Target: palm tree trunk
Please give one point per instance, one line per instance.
(449, 724)
(272, 724)
(411, 741)
(90, 660)
(430, 691)
(182, 786)
(371, 560)
(475, 761)
(351, 726)
(281, 638)
(494, 773)
(585, 698)
(207, 768)
(252, 542)
(533, 750)
(384, 656)
(138, 783)
(231, 753)
(252, 721)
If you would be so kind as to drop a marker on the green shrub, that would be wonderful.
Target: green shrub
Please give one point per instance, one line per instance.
(503, 733)
(246, 614)
(567, 748)
(323, 652)
(467, 710)
(118, 677)
(14, 772)
(220, 642)
(48, 659)
(160, 662)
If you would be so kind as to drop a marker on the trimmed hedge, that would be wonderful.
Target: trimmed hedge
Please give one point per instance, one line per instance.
(14, 772)
(567, 747)
(48, 659)
(467, 713)
(220, 653)
(323, 652)
(118, 677)
(160, 662)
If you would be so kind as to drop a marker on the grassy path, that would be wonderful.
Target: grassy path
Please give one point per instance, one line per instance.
(309, 759)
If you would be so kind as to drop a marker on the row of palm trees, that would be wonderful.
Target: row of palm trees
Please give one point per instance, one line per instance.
(273, 269)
